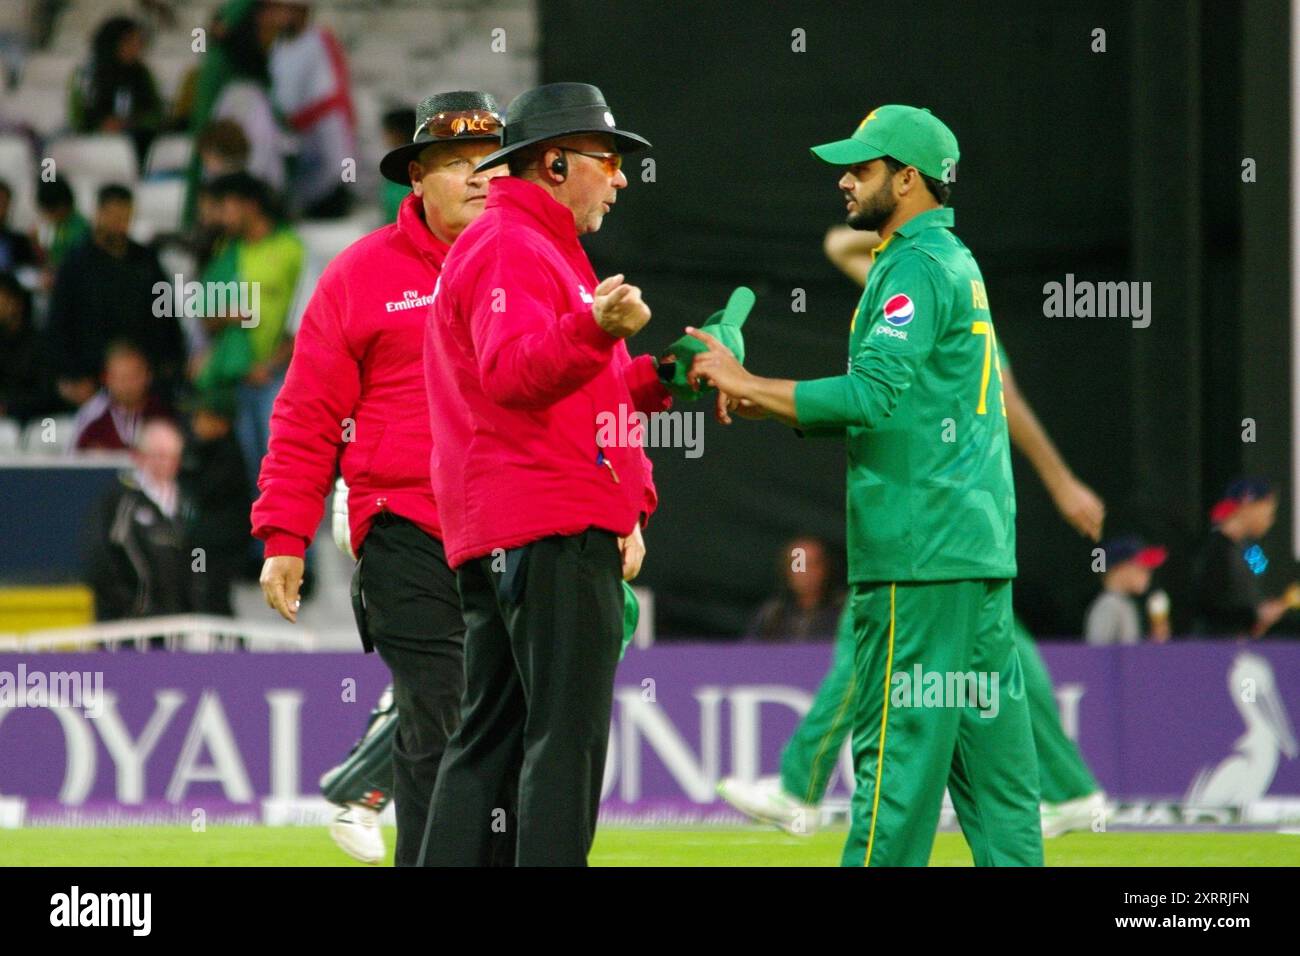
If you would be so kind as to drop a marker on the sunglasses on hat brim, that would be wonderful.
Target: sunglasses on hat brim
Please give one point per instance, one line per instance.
(453, 123)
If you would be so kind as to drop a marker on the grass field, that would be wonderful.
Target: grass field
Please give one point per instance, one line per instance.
(310, 846)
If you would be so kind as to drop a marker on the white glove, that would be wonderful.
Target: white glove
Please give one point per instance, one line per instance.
(342, 533)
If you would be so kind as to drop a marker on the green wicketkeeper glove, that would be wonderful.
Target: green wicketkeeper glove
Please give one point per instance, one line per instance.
(631, 614)
(723, 326)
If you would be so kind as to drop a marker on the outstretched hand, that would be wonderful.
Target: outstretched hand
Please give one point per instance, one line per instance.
(716, 366)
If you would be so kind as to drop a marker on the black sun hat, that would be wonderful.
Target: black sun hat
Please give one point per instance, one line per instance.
(461, 116)
(555, 110)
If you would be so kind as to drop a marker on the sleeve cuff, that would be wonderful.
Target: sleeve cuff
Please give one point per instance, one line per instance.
(589, 334)
(823, 402)
(648, 390)
(283, 543)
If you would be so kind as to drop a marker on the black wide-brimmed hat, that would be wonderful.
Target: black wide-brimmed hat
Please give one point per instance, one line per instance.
(462, 116)
(555, 110)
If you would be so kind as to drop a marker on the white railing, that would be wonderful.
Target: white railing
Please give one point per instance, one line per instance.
(200, 633)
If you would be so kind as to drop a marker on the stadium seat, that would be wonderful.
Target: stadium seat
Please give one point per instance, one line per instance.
(89, 162)
(10, 437)
(158, 205)
(378, 61)
(325, 240)
(18, 168)
(49, 69)
(108, 157)
(169, 154)
(44, 109)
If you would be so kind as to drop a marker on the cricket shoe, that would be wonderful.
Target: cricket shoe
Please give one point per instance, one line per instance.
(356, 831)
(1084, 813)
(766, 802)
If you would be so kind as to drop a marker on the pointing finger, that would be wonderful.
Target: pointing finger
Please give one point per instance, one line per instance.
(704, 337)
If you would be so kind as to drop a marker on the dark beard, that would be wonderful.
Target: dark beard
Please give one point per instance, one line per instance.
(875, 212)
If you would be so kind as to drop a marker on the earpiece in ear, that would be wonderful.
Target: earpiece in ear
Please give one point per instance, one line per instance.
(560, 166)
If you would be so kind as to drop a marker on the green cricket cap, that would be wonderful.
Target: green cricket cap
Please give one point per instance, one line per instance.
(723, 325)
(910, 135)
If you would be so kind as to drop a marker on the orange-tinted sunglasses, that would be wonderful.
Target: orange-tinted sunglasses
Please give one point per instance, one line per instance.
(612, 162)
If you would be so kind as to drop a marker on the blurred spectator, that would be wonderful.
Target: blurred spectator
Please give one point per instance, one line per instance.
(215, 488)
(807, 607)
(180, 117)
(1113, 616)
(311, 89)
(234, 82)
(61, 227)
(1229, 599)
(399, 129)
(115, 92)
(265, 257)
(24, 386)
(207, 237)
(105, 291)
(222, 148)
(137, 562)
(15, 248)
(112, 419)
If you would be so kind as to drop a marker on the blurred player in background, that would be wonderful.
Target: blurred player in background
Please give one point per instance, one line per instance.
(355, 397)
(931, 561)
(1072, 798)
(1230, 601)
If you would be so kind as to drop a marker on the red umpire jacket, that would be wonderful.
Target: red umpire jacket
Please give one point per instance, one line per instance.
(520, 380)
(356, 386)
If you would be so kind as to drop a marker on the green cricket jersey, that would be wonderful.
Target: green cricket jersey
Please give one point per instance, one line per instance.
(930, 494)
(275, 264)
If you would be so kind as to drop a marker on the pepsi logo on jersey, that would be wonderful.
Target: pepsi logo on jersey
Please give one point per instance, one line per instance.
(899, 309)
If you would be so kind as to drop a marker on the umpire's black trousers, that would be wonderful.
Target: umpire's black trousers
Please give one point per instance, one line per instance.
(408, 609)
(522, 775)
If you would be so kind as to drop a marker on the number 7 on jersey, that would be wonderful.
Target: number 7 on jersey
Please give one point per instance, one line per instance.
(990, 356)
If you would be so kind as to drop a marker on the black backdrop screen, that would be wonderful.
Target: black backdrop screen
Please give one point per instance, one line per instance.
(1071, 162)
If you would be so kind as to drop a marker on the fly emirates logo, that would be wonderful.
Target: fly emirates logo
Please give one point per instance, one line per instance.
(411, 299)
